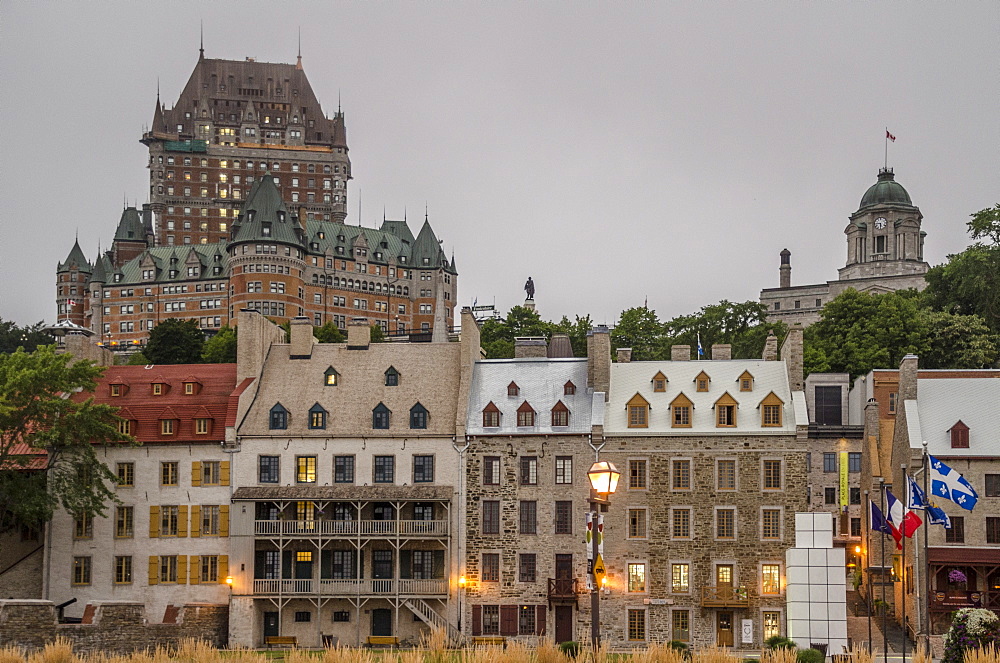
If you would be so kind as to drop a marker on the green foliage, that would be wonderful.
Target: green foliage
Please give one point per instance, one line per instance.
(680, 647)
(34, 412)
(577, 332)
(329, 333)
(175, 341)
(221, 348)
(639, 328)
(571, 648)
(779, 642)
(986, 224)
(378, 336)
(743, 325)
(497, 335)
(137, 359)
(958, 341)
(809, 656)
(28, 337)
(971, 628)
(968, 284)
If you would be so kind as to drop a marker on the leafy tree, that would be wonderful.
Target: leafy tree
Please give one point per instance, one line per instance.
(577, 332)
(137, 359)
(986, 223)
(28, 337)
(378, 336)
(35, 416)
(958, 341)
(742, 325)
(329, 333)
(221, 348)
(639, 328)
(175, 341)
(497, 336)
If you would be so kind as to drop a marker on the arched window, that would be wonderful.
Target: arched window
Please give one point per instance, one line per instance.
(279, 417)
(380, 417)
(418, 416)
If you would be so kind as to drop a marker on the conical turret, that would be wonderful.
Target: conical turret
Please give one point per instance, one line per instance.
(75, 260)
(266, 218)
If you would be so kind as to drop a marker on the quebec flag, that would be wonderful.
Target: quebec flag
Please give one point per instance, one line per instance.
(951, 485)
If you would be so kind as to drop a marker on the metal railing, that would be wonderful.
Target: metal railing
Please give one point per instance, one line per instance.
(433, 528)
(353, 587)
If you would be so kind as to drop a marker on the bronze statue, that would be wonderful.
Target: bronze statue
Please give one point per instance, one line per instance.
(529, 288)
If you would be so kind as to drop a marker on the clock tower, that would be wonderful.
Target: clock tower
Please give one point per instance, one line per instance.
(884, 238)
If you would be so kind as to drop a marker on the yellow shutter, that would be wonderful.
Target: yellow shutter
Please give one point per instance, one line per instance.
(182, 569)
(224, 520)
(195, 520)
(154, 569)
(182, 520)
(154, 522)
(223, 568)
(196, 473)
(195, 574)
(224, 473)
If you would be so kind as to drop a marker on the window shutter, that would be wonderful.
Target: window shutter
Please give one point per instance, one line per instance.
(405, 564)
(195, 573)
(195, 520)
(326, 564)
(154, 568)
(154, 522)
(540, 620)
(477, 620)
(223, 568)
(438, 564)
(196, 473)
(182, 569)
(182, 520)
(508, 620)
(224, 473)
(286, 564)
(224, 519)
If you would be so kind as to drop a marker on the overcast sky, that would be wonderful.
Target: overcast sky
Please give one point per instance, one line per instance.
(613, 151)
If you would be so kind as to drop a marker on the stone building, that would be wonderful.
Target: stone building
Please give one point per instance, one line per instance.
(349, 474)
(166, 544)
(531, 421)
(885, 252)
(242, 130)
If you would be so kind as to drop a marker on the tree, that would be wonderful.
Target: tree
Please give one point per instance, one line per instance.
(639, 328)
(986, 223)
(329, 333)
(744, 326)
(497, 335)
(958, 341)
(175, 341)
(137, 359)
(37, 418)
(221, 348)
(577, 332)
(28, 337)
(378, 336)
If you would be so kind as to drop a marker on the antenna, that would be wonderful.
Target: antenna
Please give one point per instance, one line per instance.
(298, 62)
(201, 48)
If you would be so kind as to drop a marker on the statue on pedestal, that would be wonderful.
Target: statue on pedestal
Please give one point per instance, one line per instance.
(529, 288)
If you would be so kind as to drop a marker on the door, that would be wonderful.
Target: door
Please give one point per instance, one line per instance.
(564, 623)
(564, 576)
(381, 621)
(724, 582)
(270, 624)
(382, 573)
(724, 629)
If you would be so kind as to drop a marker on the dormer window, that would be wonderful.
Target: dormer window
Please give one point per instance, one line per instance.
(317, 417)
(491, 416)
(331, 377)
(265, 229)
(380, 417)
(680, 411)
(513, 389)
(746, 381)
(638, 412)
(702, 381)
(392, 377)
(770, 410)
(659, 382)
(116, 390)
(959, 435)
(569, 389)
(159, 388)
(418, 416)
(725, 411)
(525, 415)
(279, 417)
(560, 414)
(191, 387)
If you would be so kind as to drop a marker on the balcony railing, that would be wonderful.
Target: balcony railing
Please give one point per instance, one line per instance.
(725, 597)
(409, 528)
(563, 589)
(352, 587)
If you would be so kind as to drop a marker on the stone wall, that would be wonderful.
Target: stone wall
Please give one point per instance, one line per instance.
(117, 627)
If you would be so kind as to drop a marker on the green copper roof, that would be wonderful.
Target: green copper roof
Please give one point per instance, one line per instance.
(886, 191)
(75, 256)
(175, 258)
(264, 217)
(130, 228)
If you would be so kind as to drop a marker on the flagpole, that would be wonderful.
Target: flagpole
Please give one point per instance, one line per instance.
(868, 584)
(902, 562)
(927, 553)
(887, 148)
(885, 640)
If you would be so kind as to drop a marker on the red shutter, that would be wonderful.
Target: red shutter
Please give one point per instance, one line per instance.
(540, 620)
(477, 620)
(508, 620)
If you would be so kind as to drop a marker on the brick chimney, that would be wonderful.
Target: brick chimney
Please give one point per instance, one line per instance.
(256, 336)
(302, 338)
(359, 334)
(624, 355)
(722, 351)
(791, 354)
(770, 347)
(530, 347)
(908, 378)
(599, 359)
(680, 353)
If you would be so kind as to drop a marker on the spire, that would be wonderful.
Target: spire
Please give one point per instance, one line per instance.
(201, 48)
(298, 61)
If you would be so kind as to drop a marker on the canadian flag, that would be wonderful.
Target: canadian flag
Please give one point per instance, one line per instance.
(890, 136)
(902, 521)
(71, 302)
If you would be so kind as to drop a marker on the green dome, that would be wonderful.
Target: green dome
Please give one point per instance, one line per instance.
(886, 191)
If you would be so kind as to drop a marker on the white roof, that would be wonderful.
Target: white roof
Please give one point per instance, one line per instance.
(942, 402)
(541, 383)
(628, 379)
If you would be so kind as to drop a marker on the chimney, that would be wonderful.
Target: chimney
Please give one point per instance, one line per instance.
(528, 347)
(256, 336)
(359, 334)
(303, 215)
(785, 270)
(624, 355)
(722, 351)
(599, 360)
(302, 338)
(560, 346)
(872, 432)
(770, 347)
(680, 353)
(907, 379)
(791, 354)
(470, 351)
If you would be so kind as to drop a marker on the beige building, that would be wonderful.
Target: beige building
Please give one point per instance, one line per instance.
(349, 470)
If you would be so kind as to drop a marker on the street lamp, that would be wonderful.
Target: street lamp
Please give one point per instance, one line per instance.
(604, 478)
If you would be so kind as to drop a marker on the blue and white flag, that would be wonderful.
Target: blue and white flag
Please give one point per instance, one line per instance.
(937, 516)
(701, 350)
(951, 485)
(915, 498)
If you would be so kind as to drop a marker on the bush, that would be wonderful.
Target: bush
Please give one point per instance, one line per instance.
(779, 642)
(971, 628)
(680, 647)
(571, 648)
(809, 656)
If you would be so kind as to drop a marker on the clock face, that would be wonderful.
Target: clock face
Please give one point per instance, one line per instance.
(879, 223)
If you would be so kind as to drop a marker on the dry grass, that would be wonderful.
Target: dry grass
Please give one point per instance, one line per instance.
(715, 655)
(988, 654)
(921, 655)
(779, 655)
(658, 652)
(859, 655)
(11, 654)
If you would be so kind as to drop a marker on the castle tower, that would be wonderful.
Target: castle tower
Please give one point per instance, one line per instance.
(785, 270)
(72, 276)
(130, 237)
(267, 255)
(884, 236)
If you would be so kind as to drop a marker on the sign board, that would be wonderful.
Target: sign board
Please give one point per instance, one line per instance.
(747, 631)
(488, 307)
(845, 491)
(599, 570)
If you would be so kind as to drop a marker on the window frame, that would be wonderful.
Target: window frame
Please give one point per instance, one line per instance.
(637, 523)
(681, 480)
(303, 471)
(490, 517)
(719, 475)
(276, 468)
(384, 469)
(719, 523)
(422, 474)
(638, 474)
(772, 511)
(563, 470)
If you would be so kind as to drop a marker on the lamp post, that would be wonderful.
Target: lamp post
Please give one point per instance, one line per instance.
(603, 481)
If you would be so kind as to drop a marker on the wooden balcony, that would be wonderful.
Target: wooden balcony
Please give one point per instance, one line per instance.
(725, 597)
(366, 528)
(564, 590)
(351, 587)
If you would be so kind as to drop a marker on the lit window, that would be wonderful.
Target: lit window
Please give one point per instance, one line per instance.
(305, 469)
(317, 417)
(772, 624)
(770, 578)
(680, 578)
(637, 577)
